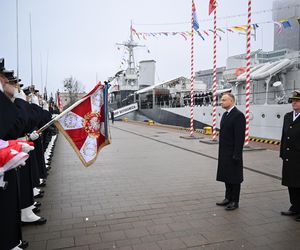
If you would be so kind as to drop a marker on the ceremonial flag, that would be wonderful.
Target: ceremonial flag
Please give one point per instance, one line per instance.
(58, 102)
(212, 6)
(85, 125)
(195, 23)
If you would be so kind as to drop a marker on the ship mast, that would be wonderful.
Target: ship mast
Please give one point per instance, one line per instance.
(130, 77)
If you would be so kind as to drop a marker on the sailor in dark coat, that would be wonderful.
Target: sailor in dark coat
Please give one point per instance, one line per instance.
(10, 229)
(231, 141)
(289, 153)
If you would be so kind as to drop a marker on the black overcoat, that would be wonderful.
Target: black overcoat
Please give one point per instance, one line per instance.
(10, 225)
(231, 141)
(290, 151)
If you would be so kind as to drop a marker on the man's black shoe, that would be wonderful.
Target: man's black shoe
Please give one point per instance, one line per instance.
(223, 202)
(36, 210)
(37, 204)
(24, 244)
(289, 213)
(40, 221)
(297, 218)
(39, 195)
(232, 206)
(42, 184)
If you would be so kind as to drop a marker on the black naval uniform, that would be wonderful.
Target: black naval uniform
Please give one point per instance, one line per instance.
(10, 219)
(289, 152)
(45, 117)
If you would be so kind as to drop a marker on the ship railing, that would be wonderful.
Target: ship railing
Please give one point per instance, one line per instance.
(256, 98)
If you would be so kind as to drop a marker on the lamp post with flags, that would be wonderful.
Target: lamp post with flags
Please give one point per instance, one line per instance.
(212, 8)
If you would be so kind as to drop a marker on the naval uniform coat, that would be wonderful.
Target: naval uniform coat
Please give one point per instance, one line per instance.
(290, 151)
(7, 114)
(231, 141)
(10, 225)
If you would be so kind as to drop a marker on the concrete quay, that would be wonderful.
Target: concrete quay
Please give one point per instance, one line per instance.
(151, 189)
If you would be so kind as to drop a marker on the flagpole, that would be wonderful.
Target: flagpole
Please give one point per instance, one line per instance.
(192, 73)
(31, 63)
(248, 71)
(17, 23)
(215, 76)
(61, 114)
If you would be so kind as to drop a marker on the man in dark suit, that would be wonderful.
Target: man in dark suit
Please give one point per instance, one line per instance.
(231, 141)
(289, 153)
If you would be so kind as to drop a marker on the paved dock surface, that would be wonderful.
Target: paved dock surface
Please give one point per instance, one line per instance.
(151, 189)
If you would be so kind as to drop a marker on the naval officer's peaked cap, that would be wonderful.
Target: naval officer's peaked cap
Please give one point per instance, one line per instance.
(9, 74)
(2, 64)
(26, 90)
(295, 95)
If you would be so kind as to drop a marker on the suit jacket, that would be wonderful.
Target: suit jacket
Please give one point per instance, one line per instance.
(290, 151)
(231, 142)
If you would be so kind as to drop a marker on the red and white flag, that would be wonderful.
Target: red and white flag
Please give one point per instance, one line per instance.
(58, 102)
(85, 125)
(212, 6)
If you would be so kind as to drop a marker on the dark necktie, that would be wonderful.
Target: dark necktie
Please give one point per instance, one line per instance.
(296, 113)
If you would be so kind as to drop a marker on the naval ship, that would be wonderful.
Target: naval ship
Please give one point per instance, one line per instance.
(274, 76)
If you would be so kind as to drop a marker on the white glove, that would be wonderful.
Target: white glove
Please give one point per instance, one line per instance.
(34, 135)
(45, 105)
(35, 100)
(26, 147)
(19, 95)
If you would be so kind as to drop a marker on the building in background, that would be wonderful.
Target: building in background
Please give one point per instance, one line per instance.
(65, 98)
(206, 76)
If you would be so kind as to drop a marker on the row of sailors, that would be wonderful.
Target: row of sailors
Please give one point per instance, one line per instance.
(21, 179)
(204, 98)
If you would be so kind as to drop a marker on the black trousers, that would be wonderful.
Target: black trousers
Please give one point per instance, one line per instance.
(10, 216)
(232, 192)
(26, 188)
(294, 199)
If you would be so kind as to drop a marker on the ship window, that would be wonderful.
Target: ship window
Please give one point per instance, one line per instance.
(219, 114)
(263, 115)
(278, 116)
(210, 114)
(203, 114)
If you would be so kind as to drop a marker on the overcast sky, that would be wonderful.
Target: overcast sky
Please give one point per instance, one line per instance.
(80, 36)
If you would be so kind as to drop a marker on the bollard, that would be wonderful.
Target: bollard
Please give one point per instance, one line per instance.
(207, 130)
(151, 123)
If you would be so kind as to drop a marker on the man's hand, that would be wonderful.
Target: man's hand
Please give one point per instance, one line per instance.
(26, 147)
(19, 95)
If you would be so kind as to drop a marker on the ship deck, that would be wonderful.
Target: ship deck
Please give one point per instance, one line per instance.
(151, 189)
